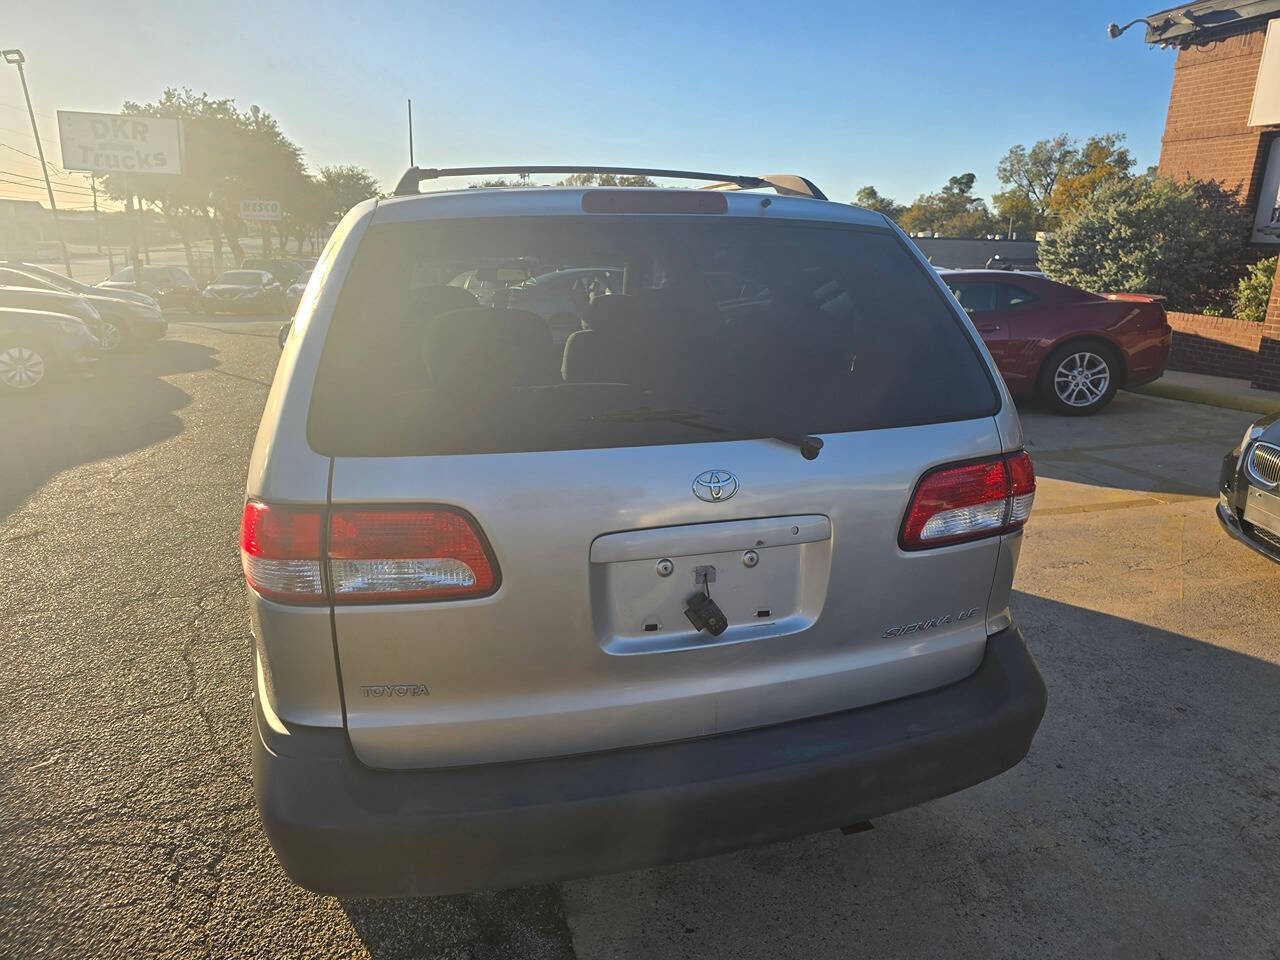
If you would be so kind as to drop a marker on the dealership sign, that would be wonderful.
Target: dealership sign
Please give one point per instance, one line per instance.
(259, 209)
(110, 143)
(1266, 223)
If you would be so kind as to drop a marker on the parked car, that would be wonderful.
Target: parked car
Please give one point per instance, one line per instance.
(122, 321)
(1249, 488)
(700, 578)
(560, 297)
(1071, 349)
(52, 301)
(243, 291)
(488, 281)
(293, 295)
(285, 271)
(75, 286)
(37, 345)
(170, 286)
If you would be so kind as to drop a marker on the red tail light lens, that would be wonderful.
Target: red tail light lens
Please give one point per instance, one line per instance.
(968, 501)
(382, 556)
(280, 552)
(1022, 488)
(373, 556)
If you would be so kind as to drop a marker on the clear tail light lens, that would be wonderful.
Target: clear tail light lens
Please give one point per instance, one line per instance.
(385, 555)
(372, 555)
(280, 552)
(968, 501)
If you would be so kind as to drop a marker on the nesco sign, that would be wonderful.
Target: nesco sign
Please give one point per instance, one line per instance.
(259, 209)
(110, 143)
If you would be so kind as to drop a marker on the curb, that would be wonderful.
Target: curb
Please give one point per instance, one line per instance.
(1262, 402)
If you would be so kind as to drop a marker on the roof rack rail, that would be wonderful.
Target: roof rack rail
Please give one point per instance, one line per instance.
(782, 182)
(787, 184)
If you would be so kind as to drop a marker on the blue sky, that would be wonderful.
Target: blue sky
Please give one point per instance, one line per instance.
(896, 95)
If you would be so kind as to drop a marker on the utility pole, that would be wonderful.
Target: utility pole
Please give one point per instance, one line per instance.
(16, 58)
(97, 222)
(135, 254)
(411, 133)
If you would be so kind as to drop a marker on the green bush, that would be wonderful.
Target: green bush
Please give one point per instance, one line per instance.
(1184, 239)
(1254, 291)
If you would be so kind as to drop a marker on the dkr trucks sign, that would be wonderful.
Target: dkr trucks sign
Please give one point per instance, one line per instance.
(110, 143)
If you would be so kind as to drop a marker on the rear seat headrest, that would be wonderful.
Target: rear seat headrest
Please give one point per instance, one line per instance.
(435, 300)
(610, 313)
(486, 348)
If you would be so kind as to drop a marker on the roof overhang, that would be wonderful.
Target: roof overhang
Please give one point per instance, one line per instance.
(1183, 24)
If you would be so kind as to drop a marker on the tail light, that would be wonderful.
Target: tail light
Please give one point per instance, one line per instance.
(280, 552)
(968, 501)
(368, 556)
(379, 555)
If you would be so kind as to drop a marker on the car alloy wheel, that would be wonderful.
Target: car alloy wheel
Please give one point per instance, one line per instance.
(21, 368)
(111, 337)
(1082, 379)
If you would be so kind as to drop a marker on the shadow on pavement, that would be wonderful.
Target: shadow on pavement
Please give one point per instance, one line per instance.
(522, 923)
(1143, 823)
(1144, 444)
(122, 405)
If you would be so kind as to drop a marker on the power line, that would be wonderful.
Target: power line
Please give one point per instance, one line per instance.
(58, 188)
(40, 180)
(38, 113)
(54, 166)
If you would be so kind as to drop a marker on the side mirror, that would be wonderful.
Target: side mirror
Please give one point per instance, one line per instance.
(284, 332)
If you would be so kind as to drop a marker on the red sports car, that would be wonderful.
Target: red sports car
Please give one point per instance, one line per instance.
(1070, 348)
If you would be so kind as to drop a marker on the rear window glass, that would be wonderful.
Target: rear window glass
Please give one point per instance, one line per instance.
(686, 330)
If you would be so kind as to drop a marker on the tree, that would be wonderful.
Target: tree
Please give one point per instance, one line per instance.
(1150, 234)
(1031, 176)
(871, 198)
(342, 187)
(230, 155)
(951, 212)
(1254, 291)
(500, 182)
(1015, 214)
(1100, 160)
(605, 180)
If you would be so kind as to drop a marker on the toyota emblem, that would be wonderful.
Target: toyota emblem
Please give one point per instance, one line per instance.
(715, 485)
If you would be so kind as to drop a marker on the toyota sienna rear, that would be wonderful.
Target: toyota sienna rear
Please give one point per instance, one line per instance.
(725, 559)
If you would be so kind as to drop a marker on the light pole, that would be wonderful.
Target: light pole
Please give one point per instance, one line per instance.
(16, 58)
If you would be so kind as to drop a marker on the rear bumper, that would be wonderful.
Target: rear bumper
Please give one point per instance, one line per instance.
(1149, 363)
(341, 828)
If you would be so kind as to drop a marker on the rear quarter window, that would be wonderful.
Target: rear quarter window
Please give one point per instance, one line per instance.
(719, 328)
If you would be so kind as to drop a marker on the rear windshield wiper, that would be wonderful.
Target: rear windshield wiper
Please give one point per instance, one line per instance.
(808, 446)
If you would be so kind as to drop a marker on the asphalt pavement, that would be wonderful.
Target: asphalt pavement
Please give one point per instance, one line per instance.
(1144, 823)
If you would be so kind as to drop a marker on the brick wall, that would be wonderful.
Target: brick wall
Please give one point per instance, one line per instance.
(1206, 132)
(1222, 346)
(1267, 371)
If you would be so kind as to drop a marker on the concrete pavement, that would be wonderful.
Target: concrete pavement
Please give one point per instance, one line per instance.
(1144, 823)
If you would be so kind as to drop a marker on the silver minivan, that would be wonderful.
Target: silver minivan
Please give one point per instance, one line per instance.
(730, 563)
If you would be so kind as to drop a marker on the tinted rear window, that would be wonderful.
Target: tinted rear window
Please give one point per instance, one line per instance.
(699, 330)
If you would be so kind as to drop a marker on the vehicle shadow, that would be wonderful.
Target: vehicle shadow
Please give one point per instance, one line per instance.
(1138, 443)
(1143, 823)
(525, 922)
(122, 405)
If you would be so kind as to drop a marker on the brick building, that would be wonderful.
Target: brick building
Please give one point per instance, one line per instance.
(1224, 124)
